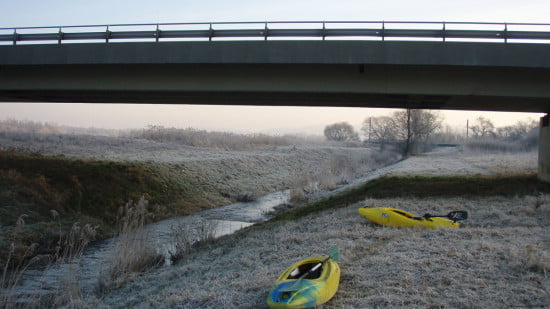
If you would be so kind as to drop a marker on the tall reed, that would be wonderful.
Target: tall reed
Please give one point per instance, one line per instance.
(66, 291)
(134, 249)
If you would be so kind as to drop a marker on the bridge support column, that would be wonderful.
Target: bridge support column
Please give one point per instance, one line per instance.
(544, 149)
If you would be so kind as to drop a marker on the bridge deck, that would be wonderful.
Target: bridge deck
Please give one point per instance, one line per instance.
(495, 75)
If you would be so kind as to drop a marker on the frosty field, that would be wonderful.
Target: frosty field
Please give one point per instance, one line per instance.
(500, 258)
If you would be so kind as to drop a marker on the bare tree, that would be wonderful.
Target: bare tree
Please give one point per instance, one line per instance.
(483, 127)
(518, 131)
(414, 126)
(342, 131)
(380, 129)
(410, 126)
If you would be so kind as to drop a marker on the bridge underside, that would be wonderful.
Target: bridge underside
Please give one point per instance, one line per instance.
(416, 101)
(350, 85)
(438, 75)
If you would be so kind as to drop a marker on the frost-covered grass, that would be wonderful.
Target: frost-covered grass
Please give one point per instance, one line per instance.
(176, 179)
(504, 163)
(220, 140)
(500, 257)
(451, 161)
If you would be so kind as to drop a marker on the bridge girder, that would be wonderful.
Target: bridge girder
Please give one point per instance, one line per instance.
(436, 75)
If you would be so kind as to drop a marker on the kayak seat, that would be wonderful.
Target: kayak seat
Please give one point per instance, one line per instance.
(315, 274)
(302, 269)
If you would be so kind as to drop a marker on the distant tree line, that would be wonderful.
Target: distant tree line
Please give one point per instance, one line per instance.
(483, 135)
(484, 128)
(415, 130)
(409, 128)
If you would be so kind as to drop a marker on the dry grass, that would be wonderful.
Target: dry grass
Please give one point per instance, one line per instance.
(12, 275)
(134, 250)
(220, 140)
(338, 169)
(187, 238)
(504, 163)
(64, 293)
(499, 257)
(301, 185)
(492, 145)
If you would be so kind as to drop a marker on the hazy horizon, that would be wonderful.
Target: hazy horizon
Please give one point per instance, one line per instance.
(238, 119)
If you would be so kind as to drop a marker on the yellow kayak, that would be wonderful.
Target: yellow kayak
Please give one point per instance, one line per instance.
(398, 218)
(298, 288)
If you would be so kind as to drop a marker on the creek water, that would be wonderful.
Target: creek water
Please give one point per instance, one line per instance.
(221, 221)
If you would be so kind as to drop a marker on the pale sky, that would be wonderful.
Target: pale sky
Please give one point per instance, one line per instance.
(25, 13)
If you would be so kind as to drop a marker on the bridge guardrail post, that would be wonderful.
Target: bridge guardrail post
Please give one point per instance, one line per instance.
(266, 30)
(157, 34)
(15, 36)
(444, 33)
(383, 30)
(107, 34)
(505, 33)
(59, 36)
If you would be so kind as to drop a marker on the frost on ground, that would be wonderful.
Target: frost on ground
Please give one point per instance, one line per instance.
(218, 176)
(451, 161)
(499, 258)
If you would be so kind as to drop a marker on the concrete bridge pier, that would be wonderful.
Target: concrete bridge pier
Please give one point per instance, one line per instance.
(544, 149)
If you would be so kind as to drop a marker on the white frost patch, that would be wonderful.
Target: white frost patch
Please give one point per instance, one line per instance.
(450, 161)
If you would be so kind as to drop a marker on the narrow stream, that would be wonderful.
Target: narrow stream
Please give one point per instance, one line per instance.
(222, 221)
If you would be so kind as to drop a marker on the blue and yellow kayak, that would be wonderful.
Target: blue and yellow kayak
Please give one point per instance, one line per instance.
(400, 218)
(318, 287)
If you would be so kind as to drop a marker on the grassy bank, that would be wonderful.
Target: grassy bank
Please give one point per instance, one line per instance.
(425, 187)
(34, 189)
(500, 256)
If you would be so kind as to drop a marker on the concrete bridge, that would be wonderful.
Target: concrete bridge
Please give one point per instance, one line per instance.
(456, 66)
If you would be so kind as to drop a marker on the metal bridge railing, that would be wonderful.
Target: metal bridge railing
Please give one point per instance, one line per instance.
(354, 30)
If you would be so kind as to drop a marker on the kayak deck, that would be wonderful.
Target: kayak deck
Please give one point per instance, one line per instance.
(399, 218)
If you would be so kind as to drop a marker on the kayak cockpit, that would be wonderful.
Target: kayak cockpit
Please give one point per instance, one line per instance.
(302, 269)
